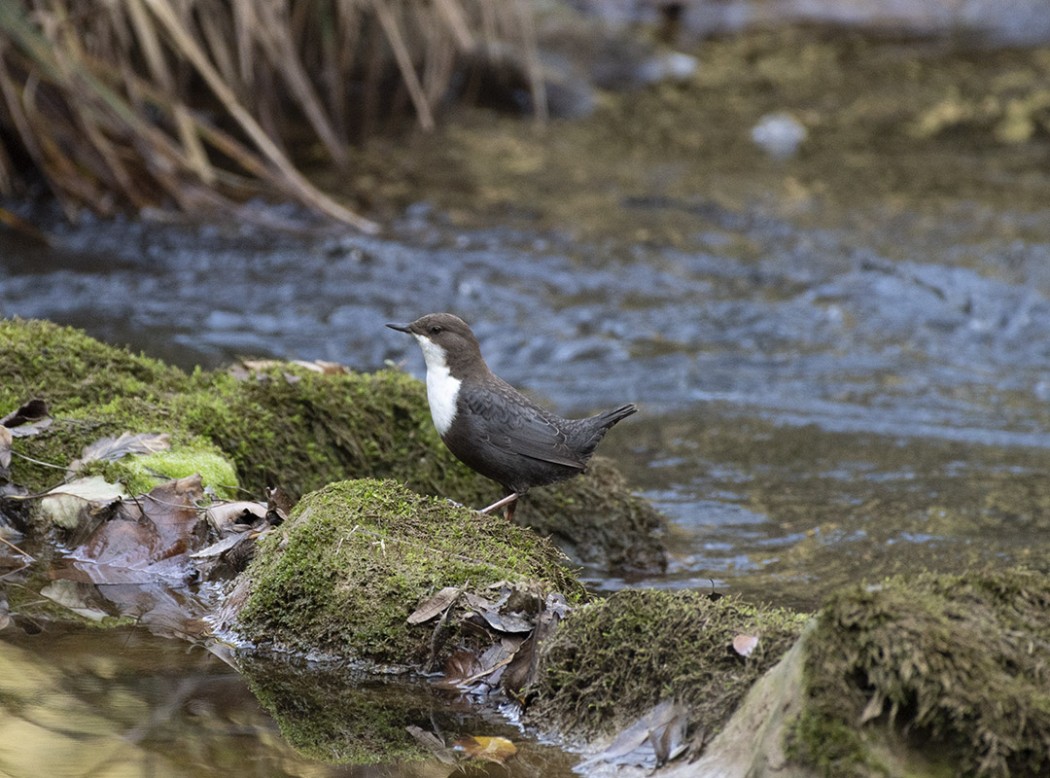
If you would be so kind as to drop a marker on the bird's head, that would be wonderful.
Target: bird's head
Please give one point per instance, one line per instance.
(446, 340)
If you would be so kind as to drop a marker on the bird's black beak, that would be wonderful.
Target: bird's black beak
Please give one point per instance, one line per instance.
(401, 327)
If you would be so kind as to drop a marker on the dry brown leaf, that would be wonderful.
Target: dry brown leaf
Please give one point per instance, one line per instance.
(491, 749)
(434, 605)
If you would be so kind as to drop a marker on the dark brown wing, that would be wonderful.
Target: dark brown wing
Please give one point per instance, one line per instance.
(515, 425)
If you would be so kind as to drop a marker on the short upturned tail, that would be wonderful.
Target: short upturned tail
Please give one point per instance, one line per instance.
(609, 418)
(588, 433)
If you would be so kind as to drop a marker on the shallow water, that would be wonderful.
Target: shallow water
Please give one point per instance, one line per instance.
(833, 387)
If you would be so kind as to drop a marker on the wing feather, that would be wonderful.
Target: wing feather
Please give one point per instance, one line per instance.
(513, 423)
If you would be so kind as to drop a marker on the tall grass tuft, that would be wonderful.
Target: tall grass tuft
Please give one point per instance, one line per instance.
(193, 104)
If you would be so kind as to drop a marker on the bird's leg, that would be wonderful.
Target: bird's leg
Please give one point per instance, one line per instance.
(510, 500)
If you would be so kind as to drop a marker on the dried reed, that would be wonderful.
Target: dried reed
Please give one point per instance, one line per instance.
(192, 104)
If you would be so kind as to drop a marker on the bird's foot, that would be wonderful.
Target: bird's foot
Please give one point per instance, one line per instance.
(511, 500)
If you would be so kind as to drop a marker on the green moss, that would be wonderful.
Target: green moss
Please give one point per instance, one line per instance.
(355, 559)
(139, 474)
(612, 661)
(954, 663)
(70, 370)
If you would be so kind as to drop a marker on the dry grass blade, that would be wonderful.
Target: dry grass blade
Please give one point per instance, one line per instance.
(392, 30)
(291, 176)
(119, 104)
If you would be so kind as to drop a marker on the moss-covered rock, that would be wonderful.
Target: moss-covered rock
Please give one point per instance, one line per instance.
(956, 667)
(344, 573)
(70, 370)
(301, 430)
(288, 427)
(612, 661)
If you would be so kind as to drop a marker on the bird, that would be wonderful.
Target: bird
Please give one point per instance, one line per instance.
(492, 427)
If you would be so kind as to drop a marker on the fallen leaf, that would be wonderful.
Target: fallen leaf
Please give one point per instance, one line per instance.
(63, 504)
(223, 515)
(744, 644)
(491, 749)
(435, 605)
(5, 448)
(506, 622)
(79, 598)
(655, 736)
(110, 449)
(145, 540)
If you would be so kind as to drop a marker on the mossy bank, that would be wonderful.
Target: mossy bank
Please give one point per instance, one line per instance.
(344, 573)
(285, 426)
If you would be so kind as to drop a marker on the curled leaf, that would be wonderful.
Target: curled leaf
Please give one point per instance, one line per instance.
(491, 749)
(435, 605)
(745, 644)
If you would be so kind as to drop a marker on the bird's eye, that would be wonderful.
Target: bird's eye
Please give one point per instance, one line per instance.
(434, 329)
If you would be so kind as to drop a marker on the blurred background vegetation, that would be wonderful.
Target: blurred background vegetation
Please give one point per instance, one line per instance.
(194, 104)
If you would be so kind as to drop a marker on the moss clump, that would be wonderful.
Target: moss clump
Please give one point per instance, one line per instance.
(954, 664)
(343, 574)
(70, 370)
(612, 661)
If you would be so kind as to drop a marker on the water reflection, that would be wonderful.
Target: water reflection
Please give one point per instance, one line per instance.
(79, 701)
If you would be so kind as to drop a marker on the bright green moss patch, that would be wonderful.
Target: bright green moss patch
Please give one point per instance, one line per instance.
(612, 661)
(141, 473)
(958, 665)
(356, 558)
(70, 370)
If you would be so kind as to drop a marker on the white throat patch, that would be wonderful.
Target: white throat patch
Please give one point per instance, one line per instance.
(442, 388)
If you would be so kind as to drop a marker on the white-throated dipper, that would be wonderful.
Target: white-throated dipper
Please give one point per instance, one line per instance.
(492, 427)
